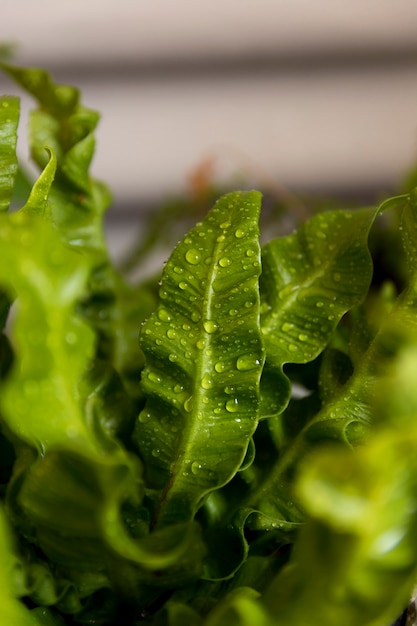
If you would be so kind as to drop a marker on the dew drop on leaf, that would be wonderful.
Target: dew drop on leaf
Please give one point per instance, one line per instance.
(154, 377)
(247, 362)
(206, 382)
(188, 404)
(232, 405)
(144, 417)
(192, 256)
(239, 233)
(210, 326)
(195, 467)
(163, 315)
(225, 262)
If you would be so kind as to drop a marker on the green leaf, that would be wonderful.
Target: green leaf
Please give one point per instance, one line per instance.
(37, 201)
(204, 357)
(12, 611)
(309, 280)
(75, 202)
(59, 100)
(355, 560)
(9, 120)
(239, 608)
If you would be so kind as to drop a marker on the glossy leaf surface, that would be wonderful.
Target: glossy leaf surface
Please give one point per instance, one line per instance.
(309, 280)
(204, 358)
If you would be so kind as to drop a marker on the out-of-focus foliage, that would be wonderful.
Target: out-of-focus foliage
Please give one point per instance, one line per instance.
(156, 463)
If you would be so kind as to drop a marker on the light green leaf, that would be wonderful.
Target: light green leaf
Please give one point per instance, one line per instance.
(9, 120)
(354, 562)
(204, 357)
(37, 201)
(60, 100)
(240, 608)
(42, 401)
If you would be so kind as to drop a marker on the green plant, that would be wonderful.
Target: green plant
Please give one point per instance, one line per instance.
(179, 479)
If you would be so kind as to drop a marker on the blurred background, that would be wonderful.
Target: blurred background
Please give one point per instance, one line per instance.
(303, 97)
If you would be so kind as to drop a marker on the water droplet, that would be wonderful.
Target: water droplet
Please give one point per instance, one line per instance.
(293, 347)
(144, 417)
(225, 262)
(154, 377)
(302, 337)
(155, 452)
(220, 367)
(233, 312)
(232, 405)
(171, 334)
(319, 304)
(239, 233)
(182, 285)
(247, 362)
(286, 327)
(178, 270)
(196, 467)
(173, 358)
(206, 382)
(195, 316)
(186, 327)
(192, 256)
(220, 238)
(200, 344)
(210, 327)
(225, 225)
(188, 404)
(178, 388)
